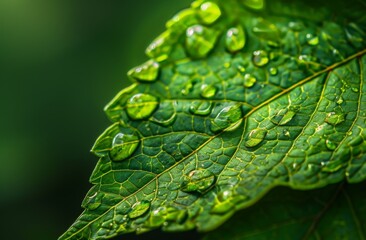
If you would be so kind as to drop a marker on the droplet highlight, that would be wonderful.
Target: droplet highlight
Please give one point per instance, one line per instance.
(235, 39)
(139, 208)
(93, 200)
(311, 39)
(123, 146)
(141, 106)
(147, 72)
(330, 144)
(260, 58)
(199, 41)
(201, 108)
(209, 12)
(249, 80)
(160, 48)
(198, 181)
(208, 91)
(336, 117)
(229, 118)
(255, 137)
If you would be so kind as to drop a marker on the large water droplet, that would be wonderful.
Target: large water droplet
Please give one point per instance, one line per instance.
(209, 12)
(199, 41)
(254, 4)
(123, 146)
(160, 48)
(198, 181)
(165, 115)
(147, 72)
(260, 58)
(249, 80)
(202, 108)
(330, 145)
(141, 106)
(336, 117)
(225, 201)
(267, 31)
(255, 137)
(139, 209)
(273, 71)
(93, 200)
(229, 118)
(311, 39)
(284, 116)
(235, 39)
(208, 91)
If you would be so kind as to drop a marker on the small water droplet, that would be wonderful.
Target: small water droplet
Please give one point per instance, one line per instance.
(260, 58)
(165, 115)
(227, 118)
(208, 91)
(209, 12)
(336, 117)
(286, 133)
(187, 88)
(273, 71)
(254, 4)
(139, 209)
(199, 41)
(235, 39)
(202, 108)
(157, 217)
(330, 145)
(255, 137)
(141, 106)
(340, 101)
(147, 72)
(93, 199)
(311, 39)
(354, 89)
(284, 116)
(123, 146)
(241, 68)
(160, 48)
(198, 181)
(225, 201)
(249, 80)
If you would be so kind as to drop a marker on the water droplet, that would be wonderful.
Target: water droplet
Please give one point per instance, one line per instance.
(165, 115)
(241, 68)
(311, 39)
(141, 106)
(235, 39)
(176, 215)
(249, 80)
(198, 181)
(228, 118)
(183, 19)
(123, 146)
(267, 31)
(255, 137)
(202, 108)
(160, 48)
(187, 88)
(199, 41)
(139, 209)
(208, 91)
(340, 101)
(209, 12)
(354, 89)
(330, 145)
(336, 117)
(296, 26)
(254, 4)
(286, 133)
(260, 58)
(284, 116)
(147, 72)
(93, 199)
(157, 217)
(273, 71)
(225, 201)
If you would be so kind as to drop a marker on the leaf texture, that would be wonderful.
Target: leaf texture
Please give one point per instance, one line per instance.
(238, 97)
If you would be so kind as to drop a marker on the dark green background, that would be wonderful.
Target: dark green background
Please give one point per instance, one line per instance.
(61, 61)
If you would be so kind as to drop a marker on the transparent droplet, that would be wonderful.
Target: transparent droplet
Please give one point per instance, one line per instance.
(354, 89)
(227, 118)
(267, 31)
(336, 117)
(199, 41)
(255, 137)
(254, 4)
(249, 80)
(260, 58)
(198, 181)
(141, 106)
(330, 145)
(235, 39)
(147, 72)
(208, 91)
(225, 201)
(187, 88)
(182, 20)
(123, 146)
(165, 115)
(241, 68)
(93, 199)
(311, 39)
(209, 12)
(202, 108)
(273, 71)
(157, 217)
(284, 116)
(160, 48)
(139, 209)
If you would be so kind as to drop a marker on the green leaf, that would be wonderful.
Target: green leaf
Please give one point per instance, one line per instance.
(239, 97)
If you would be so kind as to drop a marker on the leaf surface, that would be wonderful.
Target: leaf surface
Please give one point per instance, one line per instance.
(237, 98)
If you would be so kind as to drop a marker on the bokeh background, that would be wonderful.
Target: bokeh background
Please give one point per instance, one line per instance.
(61, 61)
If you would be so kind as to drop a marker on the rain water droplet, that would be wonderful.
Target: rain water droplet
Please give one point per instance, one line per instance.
(354, 89)
(249, 80)
(340, 101)
(255, 137)
(165, 115)
(235, 39)
(157, 217)
(254, 4)
(141, 106)
(139, 209)
(229, 118)
(198, 181)
(284, 116)
(202, 108)
(209, 12)
(147, 72)
(93, 200)
(199, 41)
(123, 146)
(260, 58)
(273, 71)
(225, 201)
(208, 91)
(330, 145)
(311, 39)
(160, 48)
(336, 117)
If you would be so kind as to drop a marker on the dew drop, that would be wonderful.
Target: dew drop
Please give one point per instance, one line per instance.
(139, 209)
(165, 115)
(183, 19)
(202, 108)
(260, 58)
(235, 39)
(254, 4)
(284, 116)
(249, 80)
(255, 137)
(273, 71)
(147, 72)
(340, 101)
(228, 118)
(208, 91)
(354, 89)
(199, 41)
(311, 39)
(336, 117)
(330, 145)
(225, 201)
(198, 181)
(141, 106)
(123, 146)
(187, 88)
(93, 200)
(209, 12)
(241, 68)
(157, 217)
(160, 48)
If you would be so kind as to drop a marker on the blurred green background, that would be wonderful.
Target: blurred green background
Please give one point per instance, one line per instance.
(61, 61)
